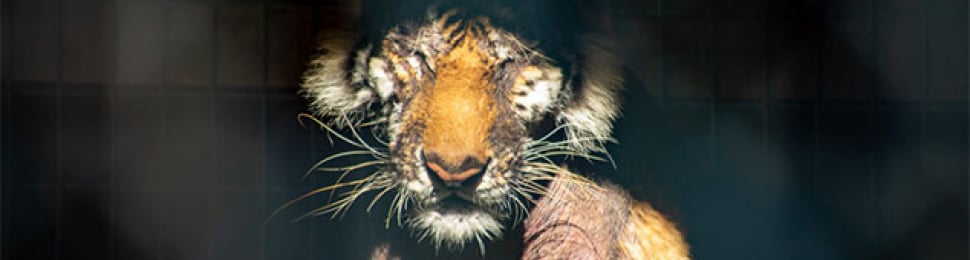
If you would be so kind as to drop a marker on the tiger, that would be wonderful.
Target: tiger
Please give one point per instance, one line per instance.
(474, 105)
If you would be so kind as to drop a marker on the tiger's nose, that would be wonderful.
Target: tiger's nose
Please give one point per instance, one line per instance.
(455, 174)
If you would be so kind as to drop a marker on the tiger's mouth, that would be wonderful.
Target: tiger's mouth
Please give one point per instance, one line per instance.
(456, 204)
(459, 203)
(453, 219)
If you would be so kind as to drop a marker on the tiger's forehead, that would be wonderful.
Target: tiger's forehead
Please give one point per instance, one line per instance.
(465, 51)
(442, 33)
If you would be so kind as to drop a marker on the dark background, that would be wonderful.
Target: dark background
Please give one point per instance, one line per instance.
(146, 129)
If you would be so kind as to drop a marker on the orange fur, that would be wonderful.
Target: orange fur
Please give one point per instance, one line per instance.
(649, 235)
(459, 105)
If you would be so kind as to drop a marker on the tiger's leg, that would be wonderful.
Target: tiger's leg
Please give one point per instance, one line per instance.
(580, 219)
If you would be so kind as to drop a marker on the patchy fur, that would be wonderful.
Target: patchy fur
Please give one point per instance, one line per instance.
(576, 219)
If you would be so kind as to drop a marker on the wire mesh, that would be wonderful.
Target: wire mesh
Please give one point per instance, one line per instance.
(142, 129)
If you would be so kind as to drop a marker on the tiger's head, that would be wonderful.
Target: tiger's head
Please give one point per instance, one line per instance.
(460, 102)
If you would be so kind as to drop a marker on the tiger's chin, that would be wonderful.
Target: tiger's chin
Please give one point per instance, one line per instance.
(452, 223)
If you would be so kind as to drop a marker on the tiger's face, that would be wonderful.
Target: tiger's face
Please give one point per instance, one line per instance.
(459, 100)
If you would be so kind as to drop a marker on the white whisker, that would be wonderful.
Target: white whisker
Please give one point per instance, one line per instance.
(332, 157)
(361, 141)
(340, 136)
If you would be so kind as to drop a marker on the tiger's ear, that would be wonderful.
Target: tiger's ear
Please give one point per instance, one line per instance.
(589, 116)
(336, 80)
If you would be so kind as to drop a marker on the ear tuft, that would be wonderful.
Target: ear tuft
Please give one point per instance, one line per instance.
(335, 80)
(589, 115)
